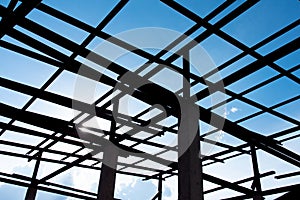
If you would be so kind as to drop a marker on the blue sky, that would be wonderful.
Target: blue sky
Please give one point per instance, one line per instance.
(262, 20)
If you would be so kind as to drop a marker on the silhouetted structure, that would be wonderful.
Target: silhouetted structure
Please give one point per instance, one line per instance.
(189, 168)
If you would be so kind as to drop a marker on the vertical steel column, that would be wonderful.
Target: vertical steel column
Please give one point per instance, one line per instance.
(256, 182)
(32, 189)
(189, 164)
(159, 197)
(106, 187)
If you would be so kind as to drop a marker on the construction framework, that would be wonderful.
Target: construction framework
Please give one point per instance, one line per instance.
(190, 167)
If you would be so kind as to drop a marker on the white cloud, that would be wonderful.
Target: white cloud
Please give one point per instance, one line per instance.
(234, 109)
(15, 165)
(85, 179)
(172, 184)
(123, 181)
(228, 112)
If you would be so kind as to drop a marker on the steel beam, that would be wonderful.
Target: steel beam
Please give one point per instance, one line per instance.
(106, 187)
(269, 192)
(8, 22)
(32, 189)
(256, 182)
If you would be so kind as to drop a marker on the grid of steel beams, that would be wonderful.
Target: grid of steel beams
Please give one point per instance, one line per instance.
(16, 25)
